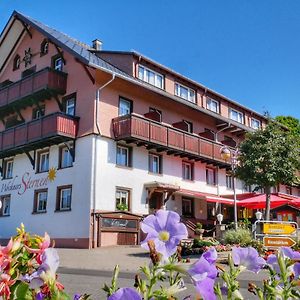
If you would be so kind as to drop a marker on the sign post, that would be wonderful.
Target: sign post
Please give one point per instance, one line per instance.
(276, 234)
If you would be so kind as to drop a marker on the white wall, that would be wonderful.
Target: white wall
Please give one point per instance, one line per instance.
(67, 224)
(110, 176)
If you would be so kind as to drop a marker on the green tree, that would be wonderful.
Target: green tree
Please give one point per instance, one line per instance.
(293, 124)
(268, 157)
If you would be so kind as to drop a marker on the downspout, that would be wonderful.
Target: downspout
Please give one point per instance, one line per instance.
(94, 165)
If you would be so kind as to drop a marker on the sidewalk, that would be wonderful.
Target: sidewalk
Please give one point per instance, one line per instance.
(129, 258)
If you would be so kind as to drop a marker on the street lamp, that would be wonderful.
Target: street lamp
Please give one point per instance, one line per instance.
(258, 215)
(220, 218)
(231, 155)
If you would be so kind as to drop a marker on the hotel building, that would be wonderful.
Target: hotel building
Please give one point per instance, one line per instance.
(93, 140)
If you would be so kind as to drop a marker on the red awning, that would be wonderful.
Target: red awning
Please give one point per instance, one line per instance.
(206, 196)
(277, 199)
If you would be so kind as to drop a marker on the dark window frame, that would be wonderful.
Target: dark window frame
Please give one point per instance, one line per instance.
(35, 201)
(54, 58)
(16, 62)
(129, 155)
(4, 167)
(124, 189)
(58, 198)
(65, 99)
(215, 176)
(2, 206)
(38, 160)
(192, 213)
(61, 148)
(36, 109)
(160, 166)
(125, 99)
(184, 162)
(42, 48)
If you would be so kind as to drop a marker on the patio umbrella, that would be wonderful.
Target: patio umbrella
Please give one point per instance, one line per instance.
(259, 201)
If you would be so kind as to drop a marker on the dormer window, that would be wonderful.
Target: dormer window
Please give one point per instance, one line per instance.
(213, 105)
(17, 62)
(255, 124)
(151, 77)
(44, 47)
(185, 92)
(236, 115)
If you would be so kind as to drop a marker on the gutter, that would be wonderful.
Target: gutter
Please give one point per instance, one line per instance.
(95, 156)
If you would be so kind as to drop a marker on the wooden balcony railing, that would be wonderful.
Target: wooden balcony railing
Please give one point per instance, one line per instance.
(137, 128)
(38, 85)
(50, 129)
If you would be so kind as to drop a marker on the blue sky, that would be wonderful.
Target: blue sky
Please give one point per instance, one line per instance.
(246, 50)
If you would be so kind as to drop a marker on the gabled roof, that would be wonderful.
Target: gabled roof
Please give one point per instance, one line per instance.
(14, 31)
(75, 47)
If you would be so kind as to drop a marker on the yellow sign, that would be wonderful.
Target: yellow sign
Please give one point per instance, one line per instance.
(270, 228)
(276, 241)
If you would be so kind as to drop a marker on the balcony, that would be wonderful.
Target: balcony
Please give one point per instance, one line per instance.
(154, 135)
(48, 130)
(38, 86)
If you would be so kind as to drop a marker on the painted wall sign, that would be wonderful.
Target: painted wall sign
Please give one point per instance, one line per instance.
(270, 228)
(28, 181)
(276, 241)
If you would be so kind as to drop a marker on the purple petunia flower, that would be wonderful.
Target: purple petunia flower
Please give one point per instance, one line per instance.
(248, 258)
(76, 297)
(39, 296)
(165, 230)
(204, 273)
(288, 252)
(125, 294)
(273, 263)
(47, 270)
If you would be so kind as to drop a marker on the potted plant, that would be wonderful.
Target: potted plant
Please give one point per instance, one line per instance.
(122, 206)
(199, 230)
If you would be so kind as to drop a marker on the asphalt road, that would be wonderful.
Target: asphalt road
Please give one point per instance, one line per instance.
(91, 282)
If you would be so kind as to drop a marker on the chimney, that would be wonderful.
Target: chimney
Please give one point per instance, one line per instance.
(97, 44)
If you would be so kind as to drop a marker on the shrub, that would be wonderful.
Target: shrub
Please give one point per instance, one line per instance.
(240, 236)
(202, 243)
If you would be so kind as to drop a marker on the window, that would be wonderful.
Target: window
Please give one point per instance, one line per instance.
(189, 126)
(213, 105)
(255, 124)
(5, 208)
(65, 156)
(17, 62)
(122, 199)
(210, 176)
(40, 201)
(57, 62)
(69, 103)
(155, 163)
(64, 197)
(187, 170)
(229, 181)
(187, 207)
(38, 112)
(8, 168)
(236, 115)
(185, 92)
(43, 162)
(44, 47)
(151, 77)
(125, 107)
(123, 156)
